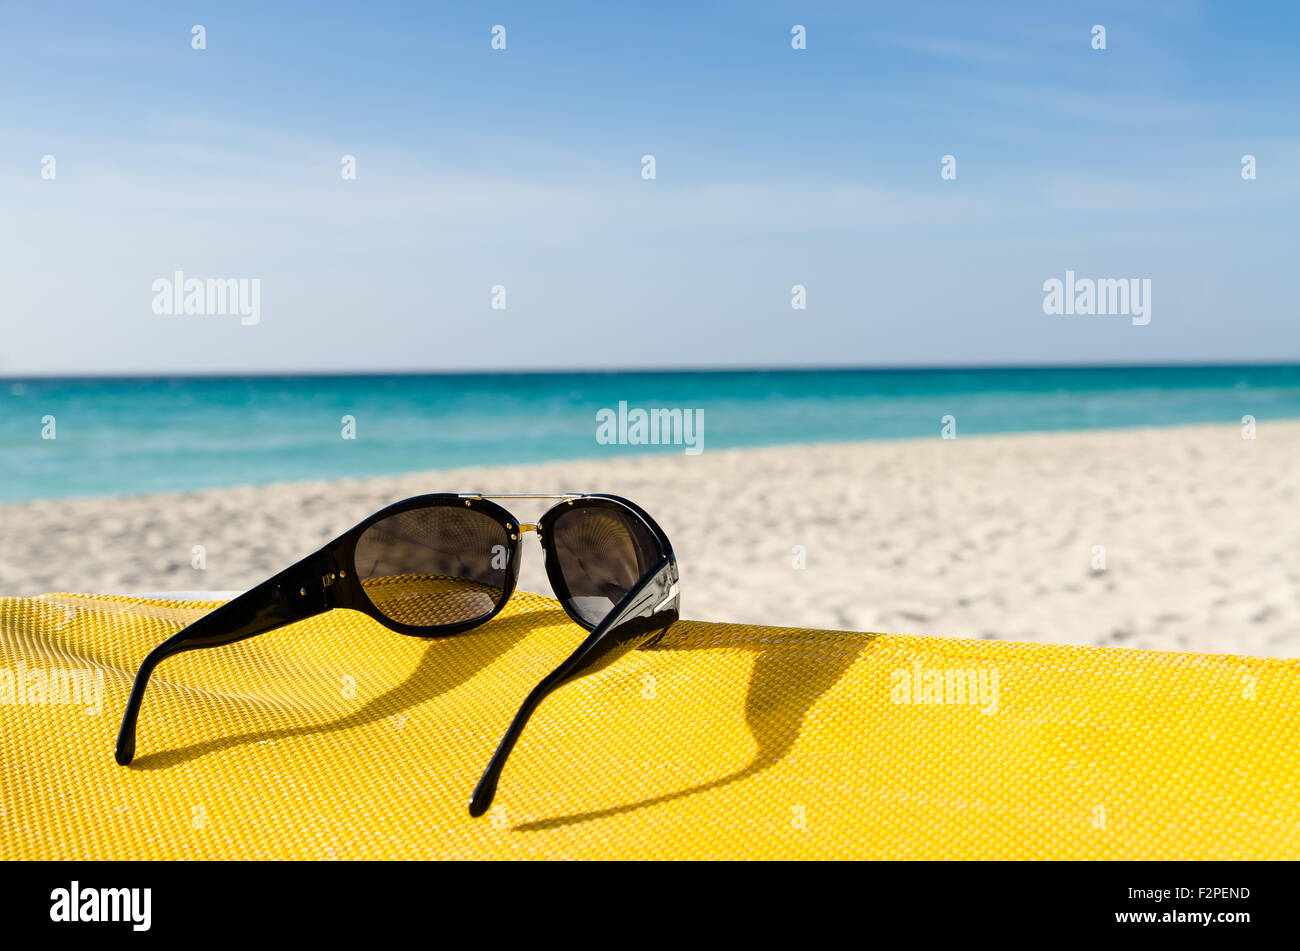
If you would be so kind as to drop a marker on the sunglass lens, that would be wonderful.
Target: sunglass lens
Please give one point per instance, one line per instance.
(602, 552)
(434, 566)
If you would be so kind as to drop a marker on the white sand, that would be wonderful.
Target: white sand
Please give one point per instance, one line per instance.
(976, 537)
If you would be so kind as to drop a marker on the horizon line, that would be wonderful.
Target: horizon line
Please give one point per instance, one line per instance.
(587, 371)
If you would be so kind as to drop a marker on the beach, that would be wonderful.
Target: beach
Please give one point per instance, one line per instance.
(1181, 538)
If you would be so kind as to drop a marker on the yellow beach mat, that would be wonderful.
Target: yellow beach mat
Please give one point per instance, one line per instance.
(336, 738)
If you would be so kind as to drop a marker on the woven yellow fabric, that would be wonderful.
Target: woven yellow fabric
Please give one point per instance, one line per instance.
(336, 738)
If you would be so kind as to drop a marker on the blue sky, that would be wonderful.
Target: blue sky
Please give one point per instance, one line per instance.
(522, 168)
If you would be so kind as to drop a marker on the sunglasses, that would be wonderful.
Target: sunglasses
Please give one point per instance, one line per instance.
(441, 564)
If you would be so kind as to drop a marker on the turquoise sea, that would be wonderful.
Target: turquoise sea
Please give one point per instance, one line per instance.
(136, 435)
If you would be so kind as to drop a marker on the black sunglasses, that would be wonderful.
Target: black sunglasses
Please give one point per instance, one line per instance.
(441, 564)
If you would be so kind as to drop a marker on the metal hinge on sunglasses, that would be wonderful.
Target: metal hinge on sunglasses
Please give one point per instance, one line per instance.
(672, 593)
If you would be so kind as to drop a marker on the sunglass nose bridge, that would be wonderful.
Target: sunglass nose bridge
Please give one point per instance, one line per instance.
(516, 533)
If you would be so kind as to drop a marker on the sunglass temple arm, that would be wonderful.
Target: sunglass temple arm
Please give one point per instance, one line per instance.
(639, 620)
(299, 592)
